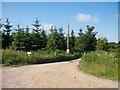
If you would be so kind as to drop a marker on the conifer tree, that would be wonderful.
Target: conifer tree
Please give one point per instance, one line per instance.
(79, 44)
(6, 37)
(19, 39)
(36, 25)
(36, 36)
(61, 41)
(86, 41)
(53, 39)
(56, 39)
(27, 39)
(90, 39)
(43, 38)
(72, 41)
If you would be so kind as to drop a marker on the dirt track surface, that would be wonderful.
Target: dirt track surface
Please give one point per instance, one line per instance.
(52, 75)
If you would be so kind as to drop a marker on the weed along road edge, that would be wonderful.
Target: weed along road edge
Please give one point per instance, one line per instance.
(52, 75)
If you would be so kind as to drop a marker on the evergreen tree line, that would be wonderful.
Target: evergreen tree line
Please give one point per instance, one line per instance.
(22, 39)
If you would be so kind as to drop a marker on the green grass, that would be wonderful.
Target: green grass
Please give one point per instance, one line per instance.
(18, 58)
(101, 64)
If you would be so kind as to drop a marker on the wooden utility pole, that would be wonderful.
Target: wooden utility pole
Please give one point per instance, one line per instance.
(68, 51)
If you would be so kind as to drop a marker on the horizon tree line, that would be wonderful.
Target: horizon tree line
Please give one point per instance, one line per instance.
(22, 39)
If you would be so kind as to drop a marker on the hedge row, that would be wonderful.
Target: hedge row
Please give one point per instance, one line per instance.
(11, 57)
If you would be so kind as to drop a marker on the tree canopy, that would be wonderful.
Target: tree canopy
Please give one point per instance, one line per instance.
(36, 38)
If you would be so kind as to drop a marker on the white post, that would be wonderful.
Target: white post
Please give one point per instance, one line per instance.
(28, 53)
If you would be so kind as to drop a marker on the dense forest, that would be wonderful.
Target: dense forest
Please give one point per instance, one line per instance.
(32, 39)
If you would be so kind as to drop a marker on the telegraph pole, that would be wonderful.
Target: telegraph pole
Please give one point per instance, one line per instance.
(68, 51)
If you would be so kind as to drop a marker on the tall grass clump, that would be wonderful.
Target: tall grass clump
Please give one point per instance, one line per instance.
(12, 57)
(101, 64)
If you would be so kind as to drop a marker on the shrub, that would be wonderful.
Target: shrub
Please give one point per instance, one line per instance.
(11, 57)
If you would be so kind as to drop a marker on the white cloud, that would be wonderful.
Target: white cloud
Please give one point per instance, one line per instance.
(81, 17)
(46, 26)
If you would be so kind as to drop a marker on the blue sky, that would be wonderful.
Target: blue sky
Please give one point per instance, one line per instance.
(60, 0)
(102, 15)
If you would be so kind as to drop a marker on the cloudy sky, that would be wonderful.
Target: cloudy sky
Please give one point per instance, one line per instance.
(102, 15)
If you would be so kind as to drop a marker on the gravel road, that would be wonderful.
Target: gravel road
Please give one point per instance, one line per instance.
(52, 75)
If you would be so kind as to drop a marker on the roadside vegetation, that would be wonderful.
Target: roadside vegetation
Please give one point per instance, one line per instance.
(101, 64)
(17, 58)
(104, 61)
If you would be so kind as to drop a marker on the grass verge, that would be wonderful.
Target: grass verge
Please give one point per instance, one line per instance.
(101, 64)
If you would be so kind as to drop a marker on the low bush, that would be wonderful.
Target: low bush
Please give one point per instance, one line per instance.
(100, 63)
(11, 57)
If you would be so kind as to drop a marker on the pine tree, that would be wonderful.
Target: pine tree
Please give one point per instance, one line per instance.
(7, 26)
(80, 43)
(53, 39)
(6, 37)
(19, 39)
(27, 39)
(61, 41)
(86, 41)
(72, 41)
(56, 39)
(43, 38)
(36, 36)
(90, 39)
(37, 26)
